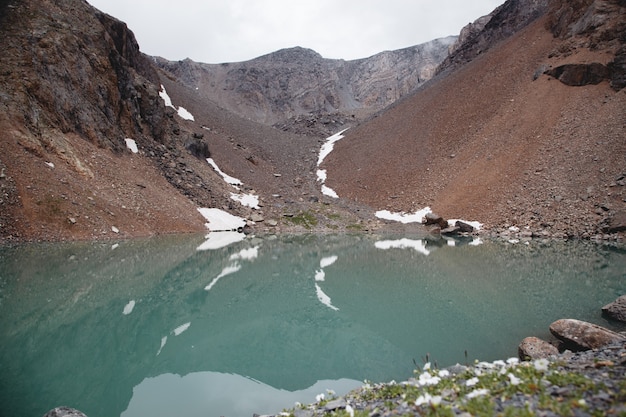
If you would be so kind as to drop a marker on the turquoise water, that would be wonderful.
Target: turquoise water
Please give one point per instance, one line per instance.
(157, 327)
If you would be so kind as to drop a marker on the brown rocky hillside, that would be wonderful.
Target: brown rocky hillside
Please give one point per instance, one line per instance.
(499, 139)
(524, 125)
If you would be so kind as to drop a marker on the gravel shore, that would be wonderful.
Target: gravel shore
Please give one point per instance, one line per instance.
(589, 383)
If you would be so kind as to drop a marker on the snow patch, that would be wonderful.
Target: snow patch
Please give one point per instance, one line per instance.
(246, 254)
(328, 146)
(132, 145)
(247, 200)
(327, 191)
(218, 240)
(128, 308)
(177, 331)
(324, 299)
(220, 220)
(326, 149)
(320, 275)
(418, 245)
(231, 269)
(163, 342)
(328, 261)
(230, 180)
(166, 99)
(416, 217)
(184, 113)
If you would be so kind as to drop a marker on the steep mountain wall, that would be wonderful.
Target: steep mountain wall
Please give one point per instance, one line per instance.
(292, 82)
(495, 137)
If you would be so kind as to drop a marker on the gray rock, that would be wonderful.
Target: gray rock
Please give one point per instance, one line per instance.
(534, 348)
(337, 404)
(616, 310)
(578, 335)
(64, 412)
(256, 217)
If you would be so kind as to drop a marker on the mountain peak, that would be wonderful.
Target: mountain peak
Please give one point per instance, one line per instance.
(296, 53)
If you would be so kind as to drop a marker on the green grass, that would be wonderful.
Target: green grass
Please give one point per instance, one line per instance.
(305, 219)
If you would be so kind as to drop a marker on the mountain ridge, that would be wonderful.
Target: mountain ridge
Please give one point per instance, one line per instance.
(285, 84)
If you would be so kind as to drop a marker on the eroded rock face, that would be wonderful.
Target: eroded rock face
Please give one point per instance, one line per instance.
(280, 87)
(616, 310)
(534, 348)
(485, 32)
(578, 335)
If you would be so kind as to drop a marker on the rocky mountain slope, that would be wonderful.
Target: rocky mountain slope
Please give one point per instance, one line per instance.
(73, 87)
(522, 126)
(499, 139)
(296, 88)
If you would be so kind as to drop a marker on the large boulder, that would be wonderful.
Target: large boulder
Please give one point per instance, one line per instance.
(578, 335)
(534, 348)
(580, 74)
(616, 310)
(432, 218)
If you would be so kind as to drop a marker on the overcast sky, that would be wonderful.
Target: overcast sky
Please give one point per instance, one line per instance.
(216, 31)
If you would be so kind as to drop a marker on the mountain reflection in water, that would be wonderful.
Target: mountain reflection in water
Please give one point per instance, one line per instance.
(127, 328)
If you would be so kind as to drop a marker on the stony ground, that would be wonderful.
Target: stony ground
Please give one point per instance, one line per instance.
(590, 383)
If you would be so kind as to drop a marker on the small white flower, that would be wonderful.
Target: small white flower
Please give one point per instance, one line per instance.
(582, 402)
(427, 366)
(330, 392)
(422, 399)
(499, 363)
(477, 393)
(319, 397)
(512, 361)
(444, 373)
(350, 410)
(435, 400)
(427, 379)
(298, 404)
(541, 364)
(514, 380)
(471, 382)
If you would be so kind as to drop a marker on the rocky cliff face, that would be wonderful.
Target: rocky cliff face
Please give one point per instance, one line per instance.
(487, 31)
(73, 87)
(289, 83)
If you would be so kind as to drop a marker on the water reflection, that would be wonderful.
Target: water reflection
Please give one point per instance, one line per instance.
(120, 328)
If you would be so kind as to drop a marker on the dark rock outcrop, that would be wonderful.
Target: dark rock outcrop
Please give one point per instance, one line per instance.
(534, 348)
(580, 74)
(577, 335)
(616, 310)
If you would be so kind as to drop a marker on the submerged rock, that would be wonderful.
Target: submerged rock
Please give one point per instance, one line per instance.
(616, 310)
(64, 412)
(578, 335)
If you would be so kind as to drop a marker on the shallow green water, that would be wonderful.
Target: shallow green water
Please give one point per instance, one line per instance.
(157, 327)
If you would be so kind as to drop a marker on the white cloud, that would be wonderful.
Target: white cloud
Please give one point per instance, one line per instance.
(217, 31)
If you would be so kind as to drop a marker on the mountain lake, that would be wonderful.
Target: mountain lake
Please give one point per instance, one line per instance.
(177, 325)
